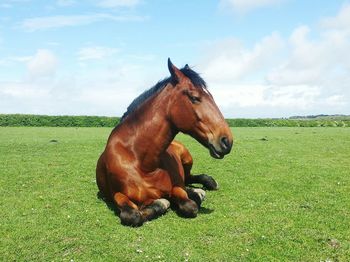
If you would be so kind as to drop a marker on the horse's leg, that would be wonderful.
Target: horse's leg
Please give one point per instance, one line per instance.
(130, 215)
(101, 178)
(187, 207)
(187, 161)
(208, 182)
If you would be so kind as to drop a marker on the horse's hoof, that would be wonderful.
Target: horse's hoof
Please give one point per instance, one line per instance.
(209, 183)
(196, 194)
(188, 209)
(160, 207)
(163, 203)
(131, 217)
(200, 193)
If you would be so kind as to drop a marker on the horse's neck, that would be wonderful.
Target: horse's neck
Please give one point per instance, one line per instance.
(153, 132)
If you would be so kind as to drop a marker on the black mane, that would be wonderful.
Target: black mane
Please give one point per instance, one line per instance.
(187, 71)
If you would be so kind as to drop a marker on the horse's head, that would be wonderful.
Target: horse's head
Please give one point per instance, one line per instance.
(194, 112)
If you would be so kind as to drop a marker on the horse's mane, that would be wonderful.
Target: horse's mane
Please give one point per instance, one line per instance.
(195, 78)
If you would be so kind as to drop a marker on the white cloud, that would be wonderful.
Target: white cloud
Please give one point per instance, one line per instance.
(294, 96)
(242, 96)
(245, 6)
(42, 64)
(105, 89)
(96, 52)
(48, 22)
(254, 95)
(306, 73)
(8, 61)
(229, 60)
(339, 22)
(117, 3)
(23, 90)
(32, 90)
(313, 61)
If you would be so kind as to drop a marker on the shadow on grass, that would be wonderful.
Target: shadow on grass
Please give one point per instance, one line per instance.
(205, 211)
(111, 206)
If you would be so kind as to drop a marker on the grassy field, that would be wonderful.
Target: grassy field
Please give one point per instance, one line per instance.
(284, 196)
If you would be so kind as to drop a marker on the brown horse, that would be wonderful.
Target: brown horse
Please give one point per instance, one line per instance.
(142, 168)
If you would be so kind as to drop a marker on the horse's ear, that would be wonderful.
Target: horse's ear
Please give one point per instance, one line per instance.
(187, 67)
(176, 74)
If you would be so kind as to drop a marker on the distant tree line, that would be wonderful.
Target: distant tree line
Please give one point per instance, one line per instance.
(322, 116)
(241, 122)
(63, 121)
(104, 121)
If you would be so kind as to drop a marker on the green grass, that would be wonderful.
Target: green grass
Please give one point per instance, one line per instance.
(284, 196)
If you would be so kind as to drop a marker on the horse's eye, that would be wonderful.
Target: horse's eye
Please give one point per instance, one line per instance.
(194, 99)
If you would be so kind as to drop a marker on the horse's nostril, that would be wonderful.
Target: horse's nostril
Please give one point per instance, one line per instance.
(225, 143)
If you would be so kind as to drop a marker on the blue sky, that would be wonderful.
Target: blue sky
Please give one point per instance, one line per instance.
(260, 58)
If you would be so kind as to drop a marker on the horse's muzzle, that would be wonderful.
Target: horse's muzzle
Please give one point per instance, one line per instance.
(220, 149)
